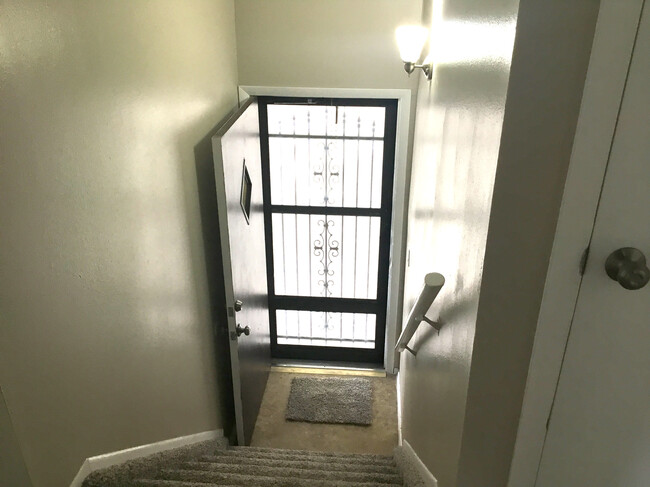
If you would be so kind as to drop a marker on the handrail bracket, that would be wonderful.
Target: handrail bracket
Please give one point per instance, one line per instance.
(435, 324)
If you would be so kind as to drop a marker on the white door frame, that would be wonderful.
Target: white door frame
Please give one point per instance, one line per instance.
(400, 189)
(611, 53)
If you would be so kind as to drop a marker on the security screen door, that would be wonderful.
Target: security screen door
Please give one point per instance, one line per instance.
(328, 182)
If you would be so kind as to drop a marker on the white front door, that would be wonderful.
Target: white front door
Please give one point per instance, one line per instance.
(599, 431)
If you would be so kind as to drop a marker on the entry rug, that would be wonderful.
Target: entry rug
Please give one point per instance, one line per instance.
(338, 400)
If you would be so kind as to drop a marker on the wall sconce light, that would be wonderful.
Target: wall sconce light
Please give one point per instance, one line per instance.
(411, 40)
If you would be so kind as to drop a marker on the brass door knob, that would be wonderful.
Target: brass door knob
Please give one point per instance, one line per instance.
(627, 266)
(245, 330)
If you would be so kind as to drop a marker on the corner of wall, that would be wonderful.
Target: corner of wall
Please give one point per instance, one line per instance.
(414, 472)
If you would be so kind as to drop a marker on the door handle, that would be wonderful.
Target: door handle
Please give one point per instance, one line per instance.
(627, 266)
(245, 330)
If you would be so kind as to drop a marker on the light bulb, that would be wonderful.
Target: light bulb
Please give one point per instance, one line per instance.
(410, 40)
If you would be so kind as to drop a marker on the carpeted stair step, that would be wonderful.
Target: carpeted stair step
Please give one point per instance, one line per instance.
(177, 483)
(281, 451)
(325, 457)
(282, 470)
(261, 480)
(342, 465)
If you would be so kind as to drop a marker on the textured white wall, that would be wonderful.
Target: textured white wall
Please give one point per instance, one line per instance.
(456, 146)
(493, 139)
(105, 319)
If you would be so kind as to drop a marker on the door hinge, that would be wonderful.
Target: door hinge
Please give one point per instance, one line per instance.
(583, 261)
(550, 411)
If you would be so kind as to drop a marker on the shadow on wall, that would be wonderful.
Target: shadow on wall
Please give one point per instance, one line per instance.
(469, 85)
(461, 307)
(213, 268)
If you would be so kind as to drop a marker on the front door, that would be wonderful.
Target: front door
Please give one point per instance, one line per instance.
(236, 152)
(328, 184)
(599, 431)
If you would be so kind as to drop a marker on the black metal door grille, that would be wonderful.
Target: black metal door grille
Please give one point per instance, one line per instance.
(327, 166)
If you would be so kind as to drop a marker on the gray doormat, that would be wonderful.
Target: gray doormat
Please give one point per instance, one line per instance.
(339, 400)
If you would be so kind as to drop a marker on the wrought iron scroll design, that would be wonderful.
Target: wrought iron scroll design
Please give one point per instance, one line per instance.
(327, 248)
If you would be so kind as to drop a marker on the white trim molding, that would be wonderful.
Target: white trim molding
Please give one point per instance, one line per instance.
(115, 458)
(413, 469)
(398, 390)
(400, 188)
(605, 81)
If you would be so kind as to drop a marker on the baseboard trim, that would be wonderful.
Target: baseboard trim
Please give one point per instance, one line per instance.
(115, 458)
(83, 472)
(398, 390)
(414, 471)
(327, 371)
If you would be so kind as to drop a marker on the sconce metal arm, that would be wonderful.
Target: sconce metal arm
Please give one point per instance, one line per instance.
(426, 68)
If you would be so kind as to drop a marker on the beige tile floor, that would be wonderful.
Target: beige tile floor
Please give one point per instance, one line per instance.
(273, 430)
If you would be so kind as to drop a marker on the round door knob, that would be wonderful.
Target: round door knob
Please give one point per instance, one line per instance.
(245, 330)
(627, 266)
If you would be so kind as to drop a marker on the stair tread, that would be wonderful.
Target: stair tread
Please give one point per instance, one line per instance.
(178, 483)
(300, 463)
(307, 452)
(324, 457)
(271, 481)
(287, 471)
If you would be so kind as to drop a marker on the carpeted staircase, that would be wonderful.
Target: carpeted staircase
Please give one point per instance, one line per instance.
(266, 467)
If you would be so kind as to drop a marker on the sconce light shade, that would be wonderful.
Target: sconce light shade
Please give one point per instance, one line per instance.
(410, 41)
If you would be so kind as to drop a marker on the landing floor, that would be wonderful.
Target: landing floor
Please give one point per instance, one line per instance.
(273, 430)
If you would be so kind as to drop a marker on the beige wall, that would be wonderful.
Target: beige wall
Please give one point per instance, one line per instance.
(13, 472)
(462, 393)
(105, 316)
(456, 145)
(322, 43)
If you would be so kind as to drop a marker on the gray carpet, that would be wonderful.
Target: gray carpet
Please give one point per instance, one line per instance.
(339, 400)
(254, 467)
(124, 475)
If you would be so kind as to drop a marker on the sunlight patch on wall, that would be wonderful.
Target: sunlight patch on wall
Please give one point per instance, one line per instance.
(457, 42)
